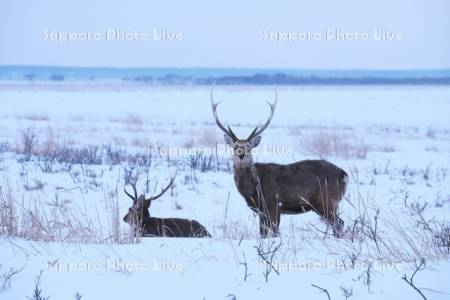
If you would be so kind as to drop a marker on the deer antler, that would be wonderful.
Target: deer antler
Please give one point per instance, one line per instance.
(257, 131)
(164, 190)
(133, 185)
(216, 117)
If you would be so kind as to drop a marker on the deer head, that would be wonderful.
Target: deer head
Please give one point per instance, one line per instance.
(242, 147)
(139, 210)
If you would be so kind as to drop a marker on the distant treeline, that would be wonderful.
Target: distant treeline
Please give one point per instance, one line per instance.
(283, 79)
(224, 76)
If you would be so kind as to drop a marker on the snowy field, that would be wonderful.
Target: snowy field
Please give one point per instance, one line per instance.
(68, 151)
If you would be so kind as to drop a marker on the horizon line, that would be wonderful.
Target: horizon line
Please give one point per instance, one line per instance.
(225, 68)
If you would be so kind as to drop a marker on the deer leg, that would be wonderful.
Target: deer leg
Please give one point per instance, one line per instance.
(264, 224)
(335, 222)
(331, 217)
(269, 219)
(338, 227)
(274, 221)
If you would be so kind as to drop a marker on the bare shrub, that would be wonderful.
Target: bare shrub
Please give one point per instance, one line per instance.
(205, 160)
(330, 142)
(346, 292)
(266, 250)
(441, 200)
(6, 277)
(114, 155)
(47, 164)
(128, 174)
(144, 159)
(35, 117)
(134, 119)
(201, 161)
(377, 232)
(322, 290)
(367, 225)
(29, 142)
(410, 280)
(440, 232)
(367, 275)
(131, 119)
(37, 185)
(90, 155)
(8, 213)
(442, 237)
(386, 148)
(245, 265)
(37, 292)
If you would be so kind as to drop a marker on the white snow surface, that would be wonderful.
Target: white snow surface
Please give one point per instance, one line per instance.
(403, 131)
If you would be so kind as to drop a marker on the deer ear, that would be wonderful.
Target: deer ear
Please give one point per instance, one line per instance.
(228, 140)
(255, 141)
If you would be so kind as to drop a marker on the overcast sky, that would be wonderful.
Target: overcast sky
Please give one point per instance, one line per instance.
(228, 33)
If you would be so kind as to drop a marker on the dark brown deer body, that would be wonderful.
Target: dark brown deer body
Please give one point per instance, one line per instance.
(173, 227)
(273, 189)
(139, 218)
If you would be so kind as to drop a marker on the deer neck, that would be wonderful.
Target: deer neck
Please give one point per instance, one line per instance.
(145, 215)
(246, 179)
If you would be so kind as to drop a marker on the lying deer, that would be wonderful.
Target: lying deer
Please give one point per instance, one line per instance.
(138, 217)
(272, 189)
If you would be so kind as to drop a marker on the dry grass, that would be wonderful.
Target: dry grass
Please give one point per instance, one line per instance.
(376, 232)
(52, 141)
(373, 233)
(112, 208)
(57, 219)
(135, 128)
(8, 213)
(34, 117)
(178, 131)
(131, 119)
(386, 148)
(235, 229)
(77, 118)
(430, 133)
(325, 142)
(207, 137)
(140, 142)
(51, 217)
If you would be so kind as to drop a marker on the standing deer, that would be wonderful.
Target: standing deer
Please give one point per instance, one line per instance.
(138, 217)
(272, 189)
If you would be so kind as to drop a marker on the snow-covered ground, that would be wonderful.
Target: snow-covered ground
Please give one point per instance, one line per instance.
(66, 153)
